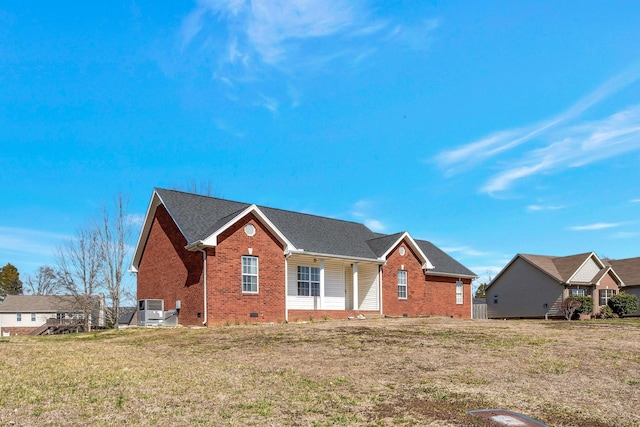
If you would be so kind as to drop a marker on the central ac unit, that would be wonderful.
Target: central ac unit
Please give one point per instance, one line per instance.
(150, 312)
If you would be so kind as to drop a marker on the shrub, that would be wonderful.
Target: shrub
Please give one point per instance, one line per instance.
(570, 306)
(587, 304)
(623, 303)
(605, 312)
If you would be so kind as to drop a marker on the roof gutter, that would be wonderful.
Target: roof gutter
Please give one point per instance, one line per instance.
(195, 246)
(345, 257)
(460, 276)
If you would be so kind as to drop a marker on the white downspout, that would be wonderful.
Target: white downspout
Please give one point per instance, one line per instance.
(380, 287)
(470, 296)
(204, 282)
(286, 287)
(356, 297)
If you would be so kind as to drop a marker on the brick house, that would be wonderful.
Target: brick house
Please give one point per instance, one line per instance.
(228, 261)
(534, 286)
(629, 271)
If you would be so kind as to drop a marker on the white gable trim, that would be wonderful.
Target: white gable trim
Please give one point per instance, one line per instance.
(593, 256)
(156, 201)
(212, 240)
(426, 264)
(615, 277)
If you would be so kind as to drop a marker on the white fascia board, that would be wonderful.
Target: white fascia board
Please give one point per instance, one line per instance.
(591, 255)
(144, 232)
(460, 276)
(426, 264)
(212, 240)
(342, 257)
(616, 277)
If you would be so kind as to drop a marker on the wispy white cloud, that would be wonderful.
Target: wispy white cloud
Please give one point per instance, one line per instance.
(135, 220)
(28, 249)
(634, 200)
(576, 146)
(269, 103)
(596, 226)
(539, 208)
(563, 142)
(248, 41)
(374, 224)
(37, 242)
(361, 210)
(465, 250)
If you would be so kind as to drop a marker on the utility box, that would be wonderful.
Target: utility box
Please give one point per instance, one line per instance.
(150, 312)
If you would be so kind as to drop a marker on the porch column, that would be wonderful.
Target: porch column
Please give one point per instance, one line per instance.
(321, 284)
(356, 306)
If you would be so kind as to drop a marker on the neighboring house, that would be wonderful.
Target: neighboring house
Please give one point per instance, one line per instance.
(629, 271)
(220, 261)
(128, 317)
(536, 285)
(24, 314)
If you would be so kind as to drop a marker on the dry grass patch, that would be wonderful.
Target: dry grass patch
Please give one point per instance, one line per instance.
(367, 373)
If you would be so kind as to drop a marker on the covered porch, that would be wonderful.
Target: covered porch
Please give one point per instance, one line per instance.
(330, 286)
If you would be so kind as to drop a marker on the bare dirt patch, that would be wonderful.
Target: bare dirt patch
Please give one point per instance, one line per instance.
(379, 372)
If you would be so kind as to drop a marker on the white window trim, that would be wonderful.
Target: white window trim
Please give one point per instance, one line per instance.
(33, 317)
(309, 282)
(19, 316)
(607, 297)
(403, 285)
(243, 274)
(459, 292)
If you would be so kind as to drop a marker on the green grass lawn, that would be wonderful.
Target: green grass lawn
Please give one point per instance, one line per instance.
(382, 372)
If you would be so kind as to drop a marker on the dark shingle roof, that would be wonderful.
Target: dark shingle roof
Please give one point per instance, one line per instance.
(442, 262)
(628, 269)
(381, 244)
(195, 214)
(568, 265)
(200, 216)
(560, 268)
(322, 235)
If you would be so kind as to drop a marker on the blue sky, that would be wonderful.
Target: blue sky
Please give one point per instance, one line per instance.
(489, 128)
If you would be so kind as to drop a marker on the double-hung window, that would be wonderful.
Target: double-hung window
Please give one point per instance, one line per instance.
(18, 317)
(33, 317)
(249, 274)
(605, 295)
(308, 281)
(402, 284)
(459, 292)
(576, 292)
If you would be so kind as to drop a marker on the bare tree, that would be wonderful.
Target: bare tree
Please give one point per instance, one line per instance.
(115, 232)
(569, 306)
(80, 263)
(202, 188)
(43, 282)
(481, 288)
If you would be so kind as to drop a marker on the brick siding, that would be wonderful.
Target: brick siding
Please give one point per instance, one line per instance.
(17, 330)
(168, 271)
(427, 295)
(226, 301)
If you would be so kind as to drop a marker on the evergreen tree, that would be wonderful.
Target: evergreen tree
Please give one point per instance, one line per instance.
(10, 283)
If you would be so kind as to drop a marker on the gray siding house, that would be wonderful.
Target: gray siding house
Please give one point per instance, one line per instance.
(534, 286)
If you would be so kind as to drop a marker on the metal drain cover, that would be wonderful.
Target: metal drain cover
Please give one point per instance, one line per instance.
(507, 418)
